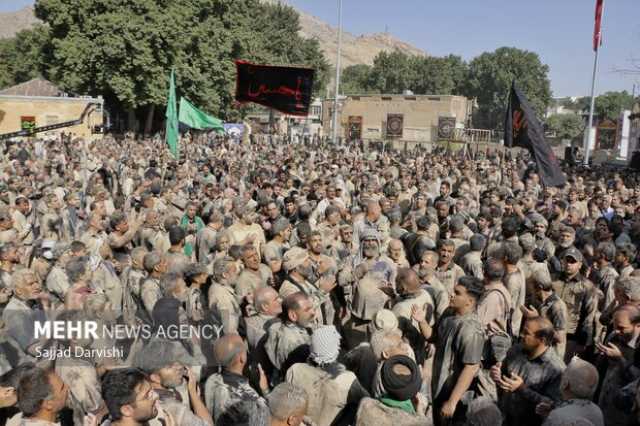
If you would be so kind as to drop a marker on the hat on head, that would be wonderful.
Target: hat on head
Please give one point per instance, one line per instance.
(574, 253)
(369, 234)
(385, 320)
(400, 377)
(294, 257)
(325, 345)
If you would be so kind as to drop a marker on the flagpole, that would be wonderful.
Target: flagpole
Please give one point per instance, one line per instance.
(587, 140)
(335, 102)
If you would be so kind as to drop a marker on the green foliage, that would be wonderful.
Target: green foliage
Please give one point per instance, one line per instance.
(440, 76)
(125, 49)
(23, 57)
(609, 105)
(489, 80)
(282, 45)
(566, 126)
(355, 79)
(396, 72)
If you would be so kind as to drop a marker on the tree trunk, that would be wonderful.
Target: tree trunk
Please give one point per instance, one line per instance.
(132, 122)
(149, 124)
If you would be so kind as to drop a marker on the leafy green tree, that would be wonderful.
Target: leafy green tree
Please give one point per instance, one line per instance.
(489, 81)
(439, 76)
(24, 56)
(279, 27)
(393, 72)
(566, 126)
(355, 79)
(609, 105)
(124, 50)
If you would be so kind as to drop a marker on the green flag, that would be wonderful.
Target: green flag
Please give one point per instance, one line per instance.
(196, 119)
(171, 132)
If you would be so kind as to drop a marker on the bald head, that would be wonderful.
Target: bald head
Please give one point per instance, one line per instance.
(395, 244)
(267, 301)
(579, 380)
(230, 351)
(407, 281)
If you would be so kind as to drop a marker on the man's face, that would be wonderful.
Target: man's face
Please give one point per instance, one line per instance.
(30, 289)
(273, 211)
(290, 207)
(566, 239)
(395, 251)
(172, 376)
(624, 328)
(24, 207)
(191, 211)
(459, 299)
(346, 235)
(529, 340)
(428, 262)
(247, 218)
(446, 254)
(443, 210)
(60, 392)
(273, 305)
(571, 266)
(305, 314)
(315, 244)
(251, 260)
(444, 190)
(370, 248)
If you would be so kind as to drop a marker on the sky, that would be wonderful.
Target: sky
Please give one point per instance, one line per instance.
(560, 31)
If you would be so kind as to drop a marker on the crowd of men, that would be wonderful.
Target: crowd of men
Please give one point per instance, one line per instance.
(344, 287)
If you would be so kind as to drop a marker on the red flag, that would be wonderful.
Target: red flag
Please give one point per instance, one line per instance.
(597, 31)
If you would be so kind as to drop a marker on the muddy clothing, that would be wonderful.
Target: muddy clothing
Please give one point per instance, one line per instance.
(286, 344)
(334, 392)
(374, 412)
(225, 308)
(248, 280)
(449, 276)
(578, 293)
(471, 264)
(516, 285)
(232, 401)
(569, 410)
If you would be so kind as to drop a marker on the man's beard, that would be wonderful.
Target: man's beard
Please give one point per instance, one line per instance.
(370, 252)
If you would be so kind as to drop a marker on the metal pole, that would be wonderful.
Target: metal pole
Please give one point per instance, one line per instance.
(593, 99)
(335, 103)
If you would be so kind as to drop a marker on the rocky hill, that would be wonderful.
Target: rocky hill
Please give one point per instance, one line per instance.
(355, 49)
(12, 22)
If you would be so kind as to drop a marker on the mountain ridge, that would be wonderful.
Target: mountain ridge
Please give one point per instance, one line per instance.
(356, 49)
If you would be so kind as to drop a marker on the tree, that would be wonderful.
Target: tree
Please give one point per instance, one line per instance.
(566, 126)
(124, 50)
(489, 81)
(392, 72)
(24, 56)
(356, 79)
(279, 28)
(609, 105)
(439, 76)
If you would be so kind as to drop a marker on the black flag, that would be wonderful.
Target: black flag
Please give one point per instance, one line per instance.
(286, 89)
(523, 129)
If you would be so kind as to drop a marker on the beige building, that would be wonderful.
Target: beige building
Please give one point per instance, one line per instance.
(410, 118)
(38, 103)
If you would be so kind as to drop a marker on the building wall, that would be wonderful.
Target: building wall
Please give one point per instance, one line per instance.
(420, 114)
(48, 111)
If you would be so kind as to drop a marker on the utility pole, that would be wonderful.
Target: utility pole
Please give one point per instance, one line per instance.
(337, 93)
